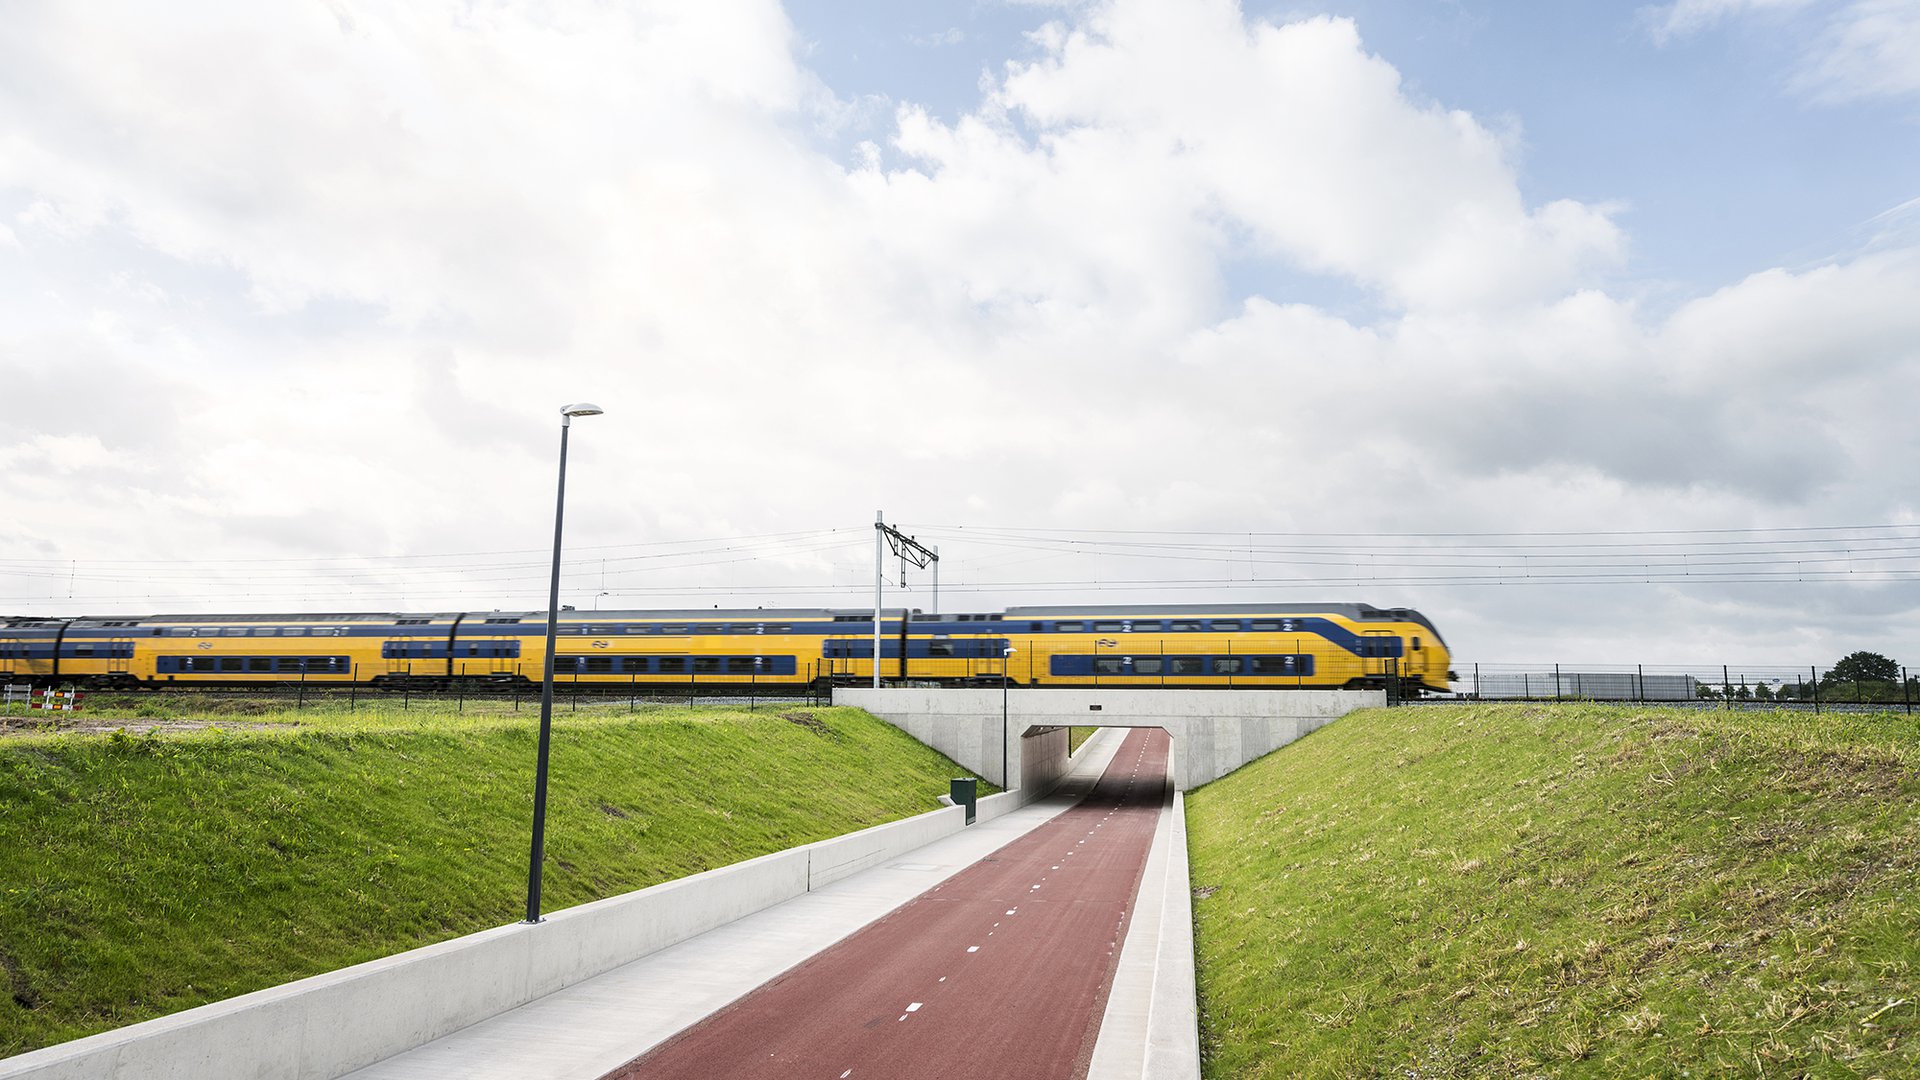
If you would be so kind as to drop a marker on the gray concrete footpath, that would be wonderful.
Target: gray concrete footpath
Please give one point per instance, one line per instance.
(588, 1029)
(1152, 1023)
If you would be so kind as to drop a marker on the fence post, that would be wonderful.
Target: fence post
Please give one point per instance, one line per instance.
(1906, 691)
(1815, 672)
(1640, 683)
(353, 690)
(1726, 687)
(1556, 682)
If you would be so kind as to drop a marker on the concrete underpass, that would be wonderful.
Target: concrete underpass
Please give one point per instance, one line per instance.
(1022, 733)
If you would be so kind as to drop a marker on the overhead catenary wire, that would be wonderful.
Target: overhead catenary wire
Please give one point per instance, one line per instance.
(1236, 561)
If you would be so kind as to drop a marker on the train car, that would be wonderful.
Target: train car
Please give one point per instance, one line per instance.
(678, 648)
(30, 649)
(1238, 645)
(256, 650)
(1233, 645)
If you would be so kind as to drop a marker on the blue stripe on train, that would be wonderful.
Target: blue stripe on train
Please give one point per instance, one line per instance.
(1295, 665)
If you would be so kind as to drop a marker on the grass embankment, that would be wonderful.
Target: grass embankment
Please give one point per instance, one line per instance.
(1076, 736)
(149, 873)
(1511, 890)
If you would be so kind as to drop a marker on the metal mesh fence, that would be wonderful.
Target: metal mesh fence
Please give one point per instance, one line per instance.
(1734, 685)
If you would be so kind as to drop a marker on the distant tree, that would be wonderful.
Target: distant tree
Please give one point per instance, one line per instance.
(1705, 690)
(1864, 667)
(1762, 692)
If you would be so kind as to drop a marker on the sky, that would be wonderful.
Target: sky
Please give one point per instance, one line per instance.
(1587, 329)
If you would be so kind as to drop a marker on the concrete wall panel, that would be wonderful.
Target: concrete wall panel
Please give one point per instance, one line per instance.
(1214, 731)
(332, 1024)
(847, 855)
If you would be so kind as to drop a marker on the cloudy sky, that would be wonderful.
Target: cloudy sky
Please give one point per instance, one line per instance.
(1589, 330)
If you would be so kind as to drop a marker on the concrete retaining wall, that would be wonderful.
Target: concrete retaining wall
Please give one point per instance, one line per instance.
(332, 1024)
(1214, 731)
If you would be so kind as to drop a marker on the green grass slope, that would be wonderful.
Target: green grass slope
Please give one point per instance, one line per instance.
(149, 873)
(1526, 890)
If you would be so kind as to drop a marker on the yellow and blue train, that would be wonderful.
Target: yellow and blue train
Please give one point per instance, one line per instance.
(1224, 645)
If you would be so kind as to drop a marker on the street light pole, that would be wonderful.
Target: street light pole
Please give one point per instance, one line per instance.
(1006, 657)
(546, 682)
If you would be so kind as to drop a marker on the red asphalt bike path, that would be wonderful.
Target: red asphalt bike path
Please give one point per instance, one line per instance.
(1002, 970)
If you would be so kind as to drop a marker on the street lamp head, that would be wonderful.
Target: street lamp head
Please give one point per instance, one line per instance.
(580, 408)
(1008, 651)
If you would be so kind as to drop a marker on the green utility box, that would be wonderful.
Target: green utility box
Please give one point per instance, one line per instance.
(964, 793)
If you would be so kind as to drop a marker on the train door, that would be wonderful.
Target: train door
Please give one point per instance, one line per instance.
(1413, 666)
(119, 656)
(1379, 660)
(505, 653)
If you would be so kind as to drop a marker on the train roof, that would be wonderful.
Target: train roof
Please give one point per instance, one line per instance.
(1353, 611)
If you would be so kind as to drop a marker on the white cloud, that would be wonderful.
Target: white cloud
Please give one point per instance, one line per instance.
(1296, 135)
(1682, 17)
(1871, 49)
(1860, 49)
(313, 282)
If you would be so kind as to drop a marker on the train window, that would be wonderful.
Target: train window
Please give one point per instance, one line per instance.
(1273, 665)
(1069, 627)
(232, 663)
(674, 628)
(82, 650)
(1264, 627)
(1183, 626)
(711, 628)
(706, 665)
(1108, 628)
(673, 665)
(414, 622)
(1147, 665)
(598, 665)
(505, 620)
(1227, 665)
(1416, 642)
(259, 663)
(780, 628)
(1148, 627)
(1107, 665)
(1184, 665)
(939, 648)
(1226, 624)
